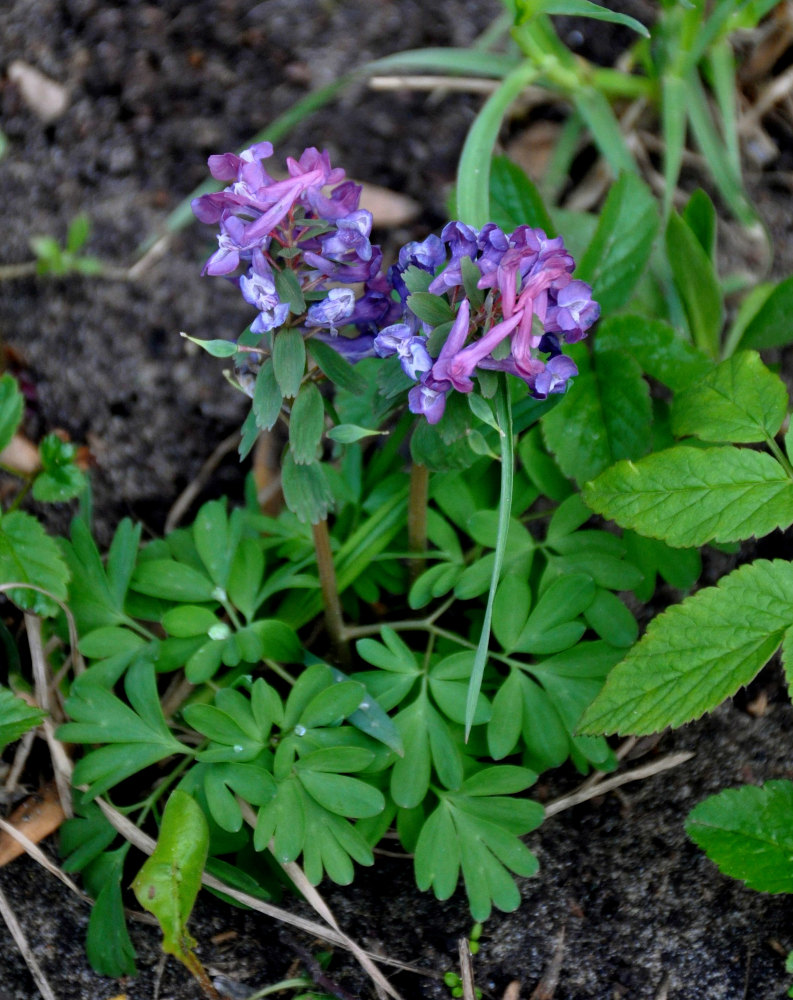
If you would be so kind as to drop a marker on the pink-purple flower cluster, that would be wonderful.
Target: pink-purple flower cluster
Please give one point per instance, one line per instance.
(532, 304)
(272, 226)
(308, 228)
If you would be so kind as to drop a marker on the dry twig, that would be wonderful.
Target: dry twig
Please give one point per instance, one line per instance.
(25, 950)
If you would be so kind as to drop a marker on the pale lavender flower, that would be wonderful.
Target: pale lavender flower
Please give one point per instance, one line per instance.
(412, 351)
(332, 311)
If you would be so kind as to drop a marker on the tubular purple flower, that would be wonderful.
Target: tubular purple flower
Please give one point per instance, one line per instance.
(427, 402)
(557, 372)
(258, 288)
(412, 351)
(333, 310)
(573, 312)
(458, 366)
(351, 238)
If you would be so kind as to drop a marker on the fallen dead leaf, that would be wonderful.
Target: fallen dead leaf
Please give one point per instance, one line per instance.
(37, 817)
(46, 98)
(21, 455)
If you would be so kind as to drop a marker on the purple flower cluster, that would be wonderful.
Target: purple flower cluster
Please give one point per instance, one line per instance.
(296, 225)
(307, 231)
(532, 303)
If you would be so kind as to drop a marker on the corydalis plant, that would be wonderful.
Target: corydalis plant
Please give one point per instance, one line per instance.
(515, 294)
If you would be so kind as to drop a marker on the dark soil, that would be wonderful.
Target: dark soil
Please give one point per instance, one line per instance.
(154, 88)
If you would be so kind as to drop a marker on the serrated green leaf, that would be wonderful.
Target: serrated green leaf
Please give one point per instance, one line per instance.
(168, 882)
(289, 361)
(29, 555)
(605, 416)
(617, 255)
(697, 653)
(16, 717)
(658, 348)
(60, 479)
(12, 404)
(515, 200)
(747, 833)
(690, 496)
(306, 423)
(740, 400)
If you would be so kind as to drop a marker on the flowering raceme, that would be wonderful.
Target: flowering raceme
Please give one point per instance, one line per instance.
(293, 231)
(303, 243)
(532, 305)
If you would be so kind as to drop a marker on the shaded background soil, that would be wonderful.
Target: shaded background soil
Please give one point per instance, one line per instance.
(153, 89)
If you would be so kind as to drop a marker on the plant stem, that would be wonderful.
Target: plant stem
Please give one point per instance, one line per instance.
(780, 456)
(330, 591)
(417, 517)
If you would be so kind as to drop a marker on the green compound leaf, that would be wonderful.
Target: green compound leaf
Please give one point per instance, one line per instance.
(691, 496)
(658, 348)
(306, 424)
(172, 580)
(29, 555)
(604, 417)
(11, 406)
(697, 653)
(16, 717)
(168, 883)
(740, 400)
(477, 833)
(135, 735)
(616, 257)
(747, 832)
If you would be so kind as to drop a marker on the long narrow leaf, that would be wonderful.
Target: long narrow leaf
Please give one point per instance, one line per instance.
(715, 153)
(585, 8)
(473, 173)
(673, 117)
(596, 111)
(504, 417)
